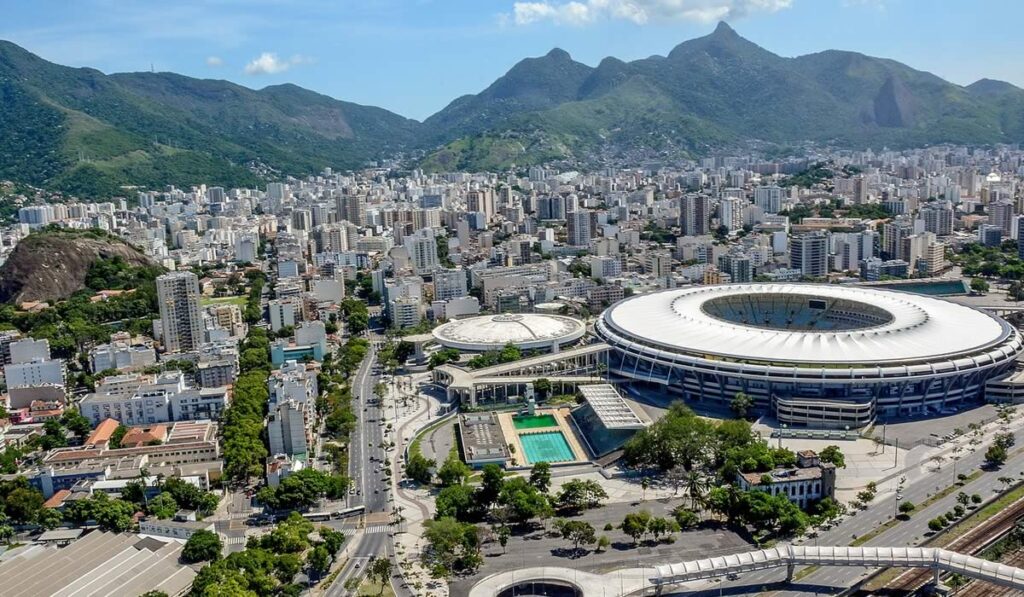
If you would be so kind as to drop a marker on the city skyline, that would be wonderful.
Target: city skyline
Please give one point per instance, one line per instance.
(412, 58)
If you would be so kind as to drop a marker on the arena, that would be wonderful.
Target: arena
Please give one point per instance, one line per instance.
(528, 331)
(813, 355)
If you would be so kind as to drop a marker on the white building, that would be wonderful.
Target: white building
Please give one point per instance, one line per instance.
(180, 318)
(287, 428)
(142, 400)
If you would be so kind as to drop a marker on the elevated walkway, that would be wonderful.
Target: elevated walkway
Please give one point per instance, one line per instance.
(628, 581)
(938, 559)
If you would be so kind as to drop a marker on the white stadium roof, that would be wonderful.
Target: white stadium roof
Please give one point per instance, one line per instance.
(881, 326)
(525, 330)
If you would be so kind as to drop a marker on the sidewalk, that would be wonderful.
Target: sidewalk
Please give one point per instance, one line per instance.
(413, 504)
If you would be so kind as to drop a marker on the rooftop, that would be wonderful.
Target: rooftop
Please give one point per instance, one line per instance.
(525, 330)
(805, 323)
(610, 408)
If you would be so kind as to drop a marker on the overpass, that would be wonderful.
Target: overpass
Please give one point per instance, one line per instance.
(938, 559)
(630, 581)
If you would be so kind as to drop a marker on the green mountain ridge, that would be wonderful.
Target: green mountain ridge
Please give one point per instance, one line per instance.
(87, 133)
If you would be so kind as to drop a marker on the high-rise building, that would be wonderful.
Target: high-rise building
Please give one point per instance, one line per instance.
(182, 323)
(481, 201)
(450, 284)
(422, 248)
(1001, 214)
(286, 428)
(768, 198)
(730, 213)
(352, 208)
(577, 225)
(695, 215)
(809, 254)
(938, 218)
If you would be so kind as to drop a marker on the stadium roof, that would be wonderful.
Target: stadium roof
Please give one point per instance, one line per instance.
(882, 326)
(525, 330)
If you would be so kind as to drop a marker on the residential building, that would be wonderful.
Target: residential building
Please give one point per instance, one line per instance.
(180, 319)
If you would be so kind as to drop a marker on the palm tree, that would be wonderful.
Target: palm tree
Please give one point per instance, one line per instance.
(644, 484)
(696, 488)
(144, 477)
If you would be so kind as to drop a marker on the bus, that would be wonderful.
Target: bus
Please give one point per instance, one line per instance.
(348, 512)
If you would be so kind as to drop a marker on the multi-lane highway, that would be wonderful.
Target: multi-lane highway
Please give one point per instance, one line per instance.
(366, 466)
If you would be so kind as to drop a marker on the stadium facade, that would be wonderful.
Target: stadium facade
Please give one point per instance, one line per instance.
(816, 355)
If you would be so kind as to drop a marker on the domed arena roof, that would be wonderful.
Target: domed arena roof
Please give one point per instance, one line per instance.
(524, 330)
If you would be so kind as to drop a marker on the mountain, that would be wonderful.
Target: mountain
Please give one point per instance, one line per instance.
(713, 92)
(84, 132)
(78, 130)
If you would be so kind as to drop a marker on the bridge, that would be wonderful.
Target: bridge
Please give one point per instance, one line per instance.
(938, 559)
(639, 580)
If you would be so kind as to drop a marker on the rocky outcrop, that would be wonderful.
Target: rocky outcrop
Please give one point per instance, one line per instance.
(51, 266)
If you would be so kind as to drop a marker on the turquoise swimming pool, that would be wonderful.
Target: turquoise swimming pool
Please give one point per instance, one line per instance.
(547, 446)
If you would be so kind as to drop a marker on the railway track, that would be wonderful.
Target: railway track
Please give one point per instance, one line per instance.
(971, 543)
(984, 589)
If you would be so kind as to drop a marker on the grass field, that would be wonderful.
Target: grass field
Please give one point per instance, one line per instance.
(224, 300)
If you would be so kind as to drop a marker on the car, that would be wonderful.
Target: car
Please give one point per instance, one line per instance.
(732, 576)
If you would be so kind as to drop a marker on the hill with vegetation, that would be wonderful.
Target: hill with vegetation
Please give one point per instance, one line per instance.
(715, 92)
(90, 134)
(54, 264)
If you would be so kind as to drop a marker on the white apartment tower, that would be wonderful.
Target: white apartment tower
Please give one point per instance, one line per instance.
(178, 295)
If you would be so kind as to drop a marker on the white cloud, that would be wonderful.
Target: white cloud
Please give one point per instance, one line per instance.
(214, 61)
(583, 12)
(269, 64)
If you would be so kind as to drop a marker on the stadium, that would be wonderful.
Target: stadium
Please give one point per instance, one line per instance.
(823, 356)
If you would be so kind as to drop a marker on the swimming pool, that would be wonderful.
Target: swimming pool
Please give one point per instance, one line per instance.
(546, 446)
(534, 421)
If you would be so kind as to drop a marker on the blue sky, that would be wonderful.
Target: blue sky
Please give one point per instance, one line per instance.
(415, 56)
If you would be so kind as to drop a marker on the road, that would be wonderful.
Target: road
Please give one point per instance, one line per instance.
(365, 467)
(830, 580)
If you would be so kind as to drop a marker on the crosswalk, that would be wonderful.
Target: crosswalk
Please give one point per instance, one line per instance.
(377, 528)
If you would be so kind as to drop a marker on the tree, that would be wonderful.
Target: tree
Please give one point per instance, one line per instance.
(644, 484)
(418, 468)
(834, 455)
(523, 501)
(577, 531)
(380, 570)
(504, 533)
(49, 518)
(635, 524)
(542, 387)
(22, 504)
(163, 506)
(603, 542)
(697, 486)
(995, 455)
(202, 546)
(579, 494)
(686, 519)
(659, 526)
(935, 525)
(458, 502)
(453, 471)
(492, 480)
(540, 476)
(319, 561)
(451, 546)
(906, 507)
(979, 285)
(741, 404)
(976, 498)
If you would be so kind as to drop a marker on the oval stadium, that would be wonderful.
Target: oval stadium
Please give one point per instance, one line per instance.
(814, 355)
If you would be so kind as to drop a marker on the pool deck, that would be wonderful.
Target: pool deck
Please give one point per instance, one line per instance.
(508, 429)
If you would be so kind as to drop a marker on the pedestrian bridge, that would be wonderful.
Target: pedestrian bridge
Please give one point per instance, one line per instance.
(630, 581)
(790, 556)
